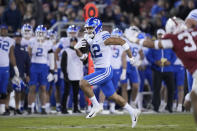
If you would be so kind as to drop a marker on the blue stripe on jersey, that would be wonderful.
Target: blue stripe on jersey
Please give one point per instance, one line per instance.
(60, 46)
(105, 37)
(194, 16)
(107, 34)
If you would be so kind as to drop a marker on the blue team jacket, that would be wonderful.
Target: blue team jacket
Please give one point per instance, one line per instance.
(154, 55)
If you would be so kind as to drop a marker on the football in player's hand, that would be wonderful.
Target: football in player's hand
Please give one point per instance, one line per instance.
(86, 48)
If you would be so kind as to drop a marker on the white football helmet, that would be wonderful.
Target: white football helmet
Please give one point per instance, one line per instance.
(175, 25)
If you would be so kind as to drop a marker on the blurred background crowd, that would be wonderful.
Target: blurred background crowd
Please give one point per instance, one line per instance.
(149, 15)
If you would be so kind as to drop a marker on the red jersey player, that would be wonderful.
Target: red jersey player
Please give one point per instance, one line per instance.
(183, 42)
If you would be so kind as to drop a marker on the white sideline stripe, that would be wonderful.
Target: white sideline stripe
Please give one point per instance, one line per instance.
(99, 126)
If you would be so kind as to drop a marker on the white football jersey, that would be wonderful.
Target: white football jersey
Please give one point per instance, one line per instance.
(101, 54)
(40, 51)
(5, 44)
(74, 65)
(25, 43)
(64, 42)
(135, 50)
(116, 57)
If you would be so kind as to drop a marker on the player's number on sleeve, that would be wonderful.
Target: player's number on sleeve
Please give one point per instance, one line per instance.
(191, 46)
(96, 51)
(4, 45)
(39, 52)
(116, 53)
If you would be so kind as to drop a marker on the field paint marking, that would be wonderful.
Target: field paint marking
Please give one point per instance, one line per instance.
(98, 126)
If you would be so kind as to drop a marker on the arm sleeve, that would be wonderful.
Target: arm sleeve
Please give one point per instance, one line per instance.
(166, 43)
(64, 63)
(105, 35)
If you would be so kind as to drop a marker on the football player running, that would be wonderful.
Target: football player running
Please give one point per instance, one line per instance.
(40, 52)
(99, 42)
(183, 42)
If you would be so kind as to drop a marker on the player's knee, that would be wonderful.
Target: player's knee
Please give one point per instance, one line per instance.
(43, 89)
(135, 87)
(83, 84)
(32, 89)
(180, 88)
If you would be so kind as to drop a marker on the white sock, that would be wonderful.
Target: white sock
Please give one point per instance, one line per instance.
(22, 103)
(102, 104)
(140, 100)
(57, 104)
(94, 101)
(43, 106)
(180, 105)
(128, 108)
(174, 105)
(112, 106)
(29, 106)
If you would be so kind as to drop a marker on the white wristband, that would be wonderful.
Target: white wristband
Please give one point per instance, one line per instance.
(156, 44)
(141, 42)
(125, 46)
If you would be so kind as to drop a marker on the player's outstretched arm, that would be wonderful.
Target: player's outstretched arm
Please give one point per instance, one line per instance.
(149, 43)
(157, 44)
(119, 41)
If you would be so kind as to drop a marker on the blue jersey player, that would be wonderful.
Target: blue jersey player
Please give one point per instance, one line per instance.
(99, 42)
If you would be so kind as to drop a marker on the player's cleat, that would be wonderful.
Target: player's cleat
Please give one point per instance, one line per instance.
(7, 112)
(17, 112)
(94, 111)
(43, 111)
(64, 111)
(76, 111)
(179, 108)
(29, 111)
(134, 117)
(58, 108)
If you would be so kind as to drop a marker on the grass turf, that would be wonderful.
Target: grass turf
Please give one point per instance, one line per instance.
(155, 122)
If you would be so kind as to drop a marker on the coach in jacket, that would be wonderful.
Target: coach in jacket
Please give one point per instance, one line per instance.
(162, 66)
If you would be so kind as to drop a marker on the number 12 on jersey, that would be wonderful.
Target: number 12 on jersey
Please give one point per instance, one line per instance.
(95, 53)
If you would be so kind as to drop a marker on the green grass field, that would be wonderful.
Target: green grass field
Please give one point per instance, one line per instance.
(155, 122)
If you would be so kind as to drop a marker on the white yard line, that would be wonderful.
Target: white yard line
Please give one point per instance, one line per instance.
(99, 126)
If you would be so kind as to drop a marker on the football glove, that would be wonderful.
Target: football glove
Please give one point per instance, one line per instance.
(50, 77)
(80, 44)
(123, 75)
(55, 77)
